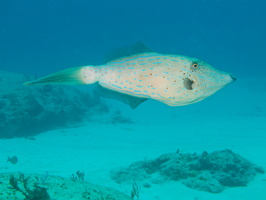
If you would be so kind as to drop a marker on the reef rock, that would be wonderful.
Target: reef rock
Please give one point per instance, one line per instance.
(28, 110)
(210, 172)
(29, 186)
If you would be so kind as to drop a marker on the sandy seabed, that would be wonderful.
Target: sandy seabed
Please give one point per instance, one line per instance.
(223, 122)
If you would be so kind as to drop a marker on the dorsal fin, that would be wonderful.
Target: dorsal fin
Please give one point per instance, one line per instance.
(132, 101)
(125, 51)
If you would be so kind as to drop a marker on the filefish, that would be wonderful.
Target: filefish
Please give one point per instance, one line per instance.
(175, 80)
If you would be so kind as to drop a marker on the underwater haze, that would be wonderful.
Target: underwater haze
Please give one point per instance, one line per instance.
(73, 139)
(43, 36)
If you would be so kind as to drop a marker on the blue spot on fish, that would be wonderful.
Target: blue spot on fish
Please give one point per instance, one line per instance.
(174, 60)
(116, 86)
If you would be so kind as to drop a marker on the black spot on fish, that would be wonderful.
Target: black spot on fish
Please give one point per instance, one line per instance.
(188, 83)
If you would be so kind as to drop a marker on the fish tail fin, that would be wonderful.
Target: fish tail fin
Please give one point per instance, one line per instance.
(71, 76)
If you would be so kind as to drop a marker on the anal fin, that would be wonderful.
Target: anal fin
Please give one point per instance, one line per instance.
(132, 101)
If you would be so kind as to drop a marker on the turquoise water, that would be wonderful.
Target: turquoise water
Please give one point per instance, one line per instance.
(47, 36)
(41, 37)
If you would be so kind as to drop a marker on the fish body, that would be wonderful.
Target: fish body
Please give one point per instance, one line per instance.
(171, 79)
(13, 159)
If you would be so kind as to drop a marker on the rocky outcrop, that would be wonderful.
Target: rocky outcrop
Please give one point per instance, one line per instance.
(210, 172)
(28, 110)
(32, 186)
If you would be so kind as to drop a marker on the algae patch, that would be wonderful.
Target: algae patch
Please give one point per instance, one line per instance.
(30, 187)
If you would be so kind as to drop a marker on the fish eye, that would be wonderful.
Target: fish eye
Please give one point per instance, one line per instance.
(195, 65)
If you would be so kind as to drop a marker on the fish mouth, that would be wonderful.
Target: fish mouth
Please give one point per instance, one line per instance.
(229, 78)
(233, 78)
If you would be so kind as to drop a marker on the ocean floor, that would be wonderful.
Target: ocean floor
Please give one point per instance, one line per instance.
(227, 120)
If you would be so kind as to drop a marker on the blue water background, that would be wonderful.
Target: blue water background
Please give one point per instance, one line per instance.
(40, 37)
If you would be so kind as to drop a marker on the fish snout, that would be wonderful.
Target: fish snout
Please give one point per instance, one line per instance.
(233, 78)
(229, 78)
